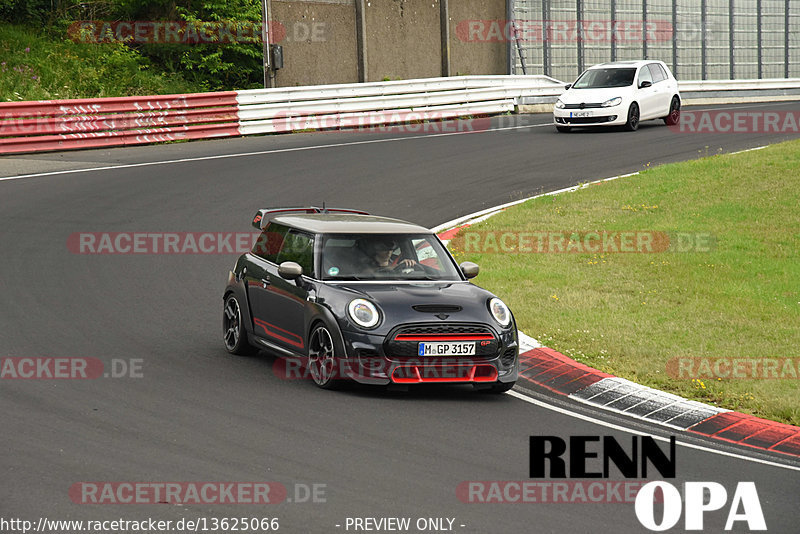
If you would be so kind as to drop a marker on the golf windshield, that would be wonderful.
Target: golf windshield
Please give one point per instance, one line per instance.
(600, 78)
(385, 257)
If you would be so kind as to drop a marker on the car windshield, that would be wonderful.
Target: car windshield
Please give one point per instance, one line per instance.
(599, 78)
(385, 257)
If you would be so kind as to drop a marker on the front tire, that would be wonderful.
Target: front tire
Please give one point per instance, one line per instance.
(633, 118)
(674, 116)
(322, 357)
(234, 334)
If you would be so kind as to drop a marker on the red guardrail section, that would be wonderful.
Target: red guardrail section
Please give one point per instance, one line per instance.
(103, 122)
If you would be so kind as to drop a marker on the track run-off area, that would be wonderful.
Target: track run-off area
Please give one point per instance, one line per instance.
(192, 412)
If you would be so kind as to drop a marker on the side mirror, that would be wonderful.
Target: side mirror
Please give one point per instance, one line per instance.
(568, 86)
(469, 269)
(290, 270)
(645, 84)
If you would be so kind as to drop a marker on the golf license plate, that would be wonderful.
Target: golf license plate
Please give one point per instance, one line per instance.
(451, 348)
(580, 114)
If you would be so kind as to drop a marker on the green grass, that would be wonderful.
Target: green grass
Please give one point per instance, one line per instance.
(35, 66)
(629, 314)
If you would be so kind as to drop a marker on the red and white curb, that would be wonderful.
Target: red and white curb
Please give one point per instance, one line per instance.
(561, 374)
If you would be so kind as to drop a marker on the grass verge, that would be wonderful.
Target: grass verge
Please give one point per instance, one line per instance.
(629, 314)
(34, 66)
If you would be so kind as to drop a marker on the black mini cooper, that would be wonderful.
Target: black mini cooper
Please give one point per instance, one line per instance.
(367, 298)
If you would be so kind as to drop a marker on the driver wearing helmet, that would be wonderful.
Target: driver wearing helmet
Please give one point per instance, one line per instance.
(379, 255)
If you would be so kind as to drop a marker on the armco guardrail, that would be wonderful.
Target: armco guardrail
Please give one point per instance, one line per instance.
(104, 122)
(741, 85)
(732, 91)
(101, 122)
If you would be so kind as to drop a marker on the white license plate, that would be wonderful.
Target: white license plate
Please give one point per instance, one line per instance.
(439, 348)
(580, 114)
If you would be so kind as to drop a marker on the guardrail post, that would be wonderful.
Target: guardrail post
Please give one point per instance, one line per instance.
(731, 38)
(361, 41)
(579, 25)
(786, 39)
(703, 21)
(614, 30)
(758, 37)
(266, 38)
(674, 38)
(644, 29)
(546, 37)
(510, 47)
(444, 24)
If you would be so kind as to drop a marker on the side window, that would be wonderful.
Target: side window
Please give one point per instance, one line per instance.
(426, 255)
(269, 242)
(657, 72)
(644, 76)
(299, 248)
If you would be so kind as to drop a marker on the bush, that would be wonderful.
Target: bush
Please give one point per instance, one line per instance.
(127, 68)
(35, 67)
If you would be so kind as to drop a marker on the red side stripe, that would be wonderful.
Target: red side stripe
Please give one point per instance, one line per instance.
(267, 327)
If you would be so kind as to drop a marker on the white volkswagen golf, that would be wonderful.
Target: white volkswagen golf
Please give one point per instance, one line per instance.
(622, 93)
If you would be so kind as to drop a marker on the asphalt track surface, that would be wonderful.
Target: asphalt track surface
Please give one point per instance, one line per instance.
(199, 414)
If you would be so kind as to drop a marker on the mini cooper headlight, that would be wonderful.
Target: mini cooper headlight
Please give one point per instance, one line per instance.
(559, 104)
(500, 311)
(612, 102)
(363, 313)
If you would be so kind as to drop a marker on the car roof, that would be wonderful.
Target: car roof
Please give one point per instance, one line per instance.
(623, 64)
(341, 223)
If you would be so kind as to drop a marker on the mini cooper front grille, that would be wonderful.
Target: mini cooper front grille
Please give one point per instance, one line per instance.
(405, 341)
(437, 308)
(444, 329)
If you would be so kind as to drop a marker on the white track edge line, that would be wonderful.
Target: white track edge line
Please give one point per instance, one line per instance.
(257, 153)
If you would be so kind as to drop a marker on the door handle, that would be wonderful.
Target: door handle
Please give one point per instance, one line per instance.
(265, 282)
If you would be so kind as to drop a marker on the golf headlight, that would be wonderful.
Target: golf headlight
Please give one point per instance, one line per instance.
(612, 102)
(559, 104)
(500, 311)
(363, 313)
